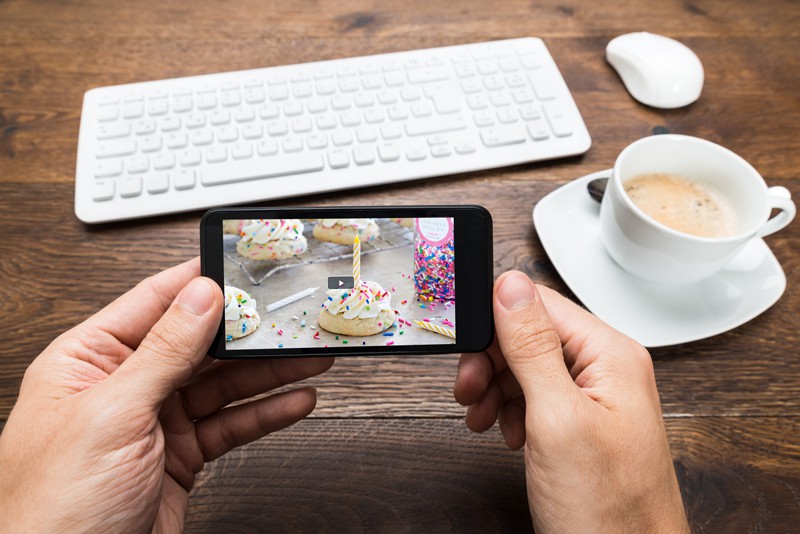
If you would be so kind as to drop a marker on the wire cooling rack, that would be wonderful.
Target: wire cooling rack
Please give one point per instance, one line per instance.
(392, 235)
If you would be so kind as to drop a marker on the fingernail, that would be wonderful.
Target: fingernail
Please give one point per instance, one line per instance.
(515, 291)
(197, 297)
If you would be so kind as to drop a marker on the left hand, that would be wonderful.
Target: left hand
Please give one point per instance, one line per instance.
(117, 416)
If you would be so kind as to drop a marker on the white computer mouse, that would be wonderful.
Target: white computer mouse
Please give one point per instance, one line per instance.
(656, 70)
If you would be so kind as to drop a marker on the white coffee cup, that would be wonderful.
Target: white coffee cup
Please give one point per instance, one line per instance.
(653, 251)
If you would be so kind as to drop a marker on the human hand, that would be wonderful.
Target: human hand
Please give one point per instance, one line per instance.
(582, 398)
(117, 416)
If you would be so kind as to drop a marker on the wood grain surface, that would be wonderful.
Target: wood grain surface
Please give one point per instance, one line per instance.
(386, 449)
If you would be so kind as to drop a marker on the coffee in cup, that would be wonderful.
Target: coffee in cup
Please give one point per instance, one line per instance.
(685, 205)
(677, 209)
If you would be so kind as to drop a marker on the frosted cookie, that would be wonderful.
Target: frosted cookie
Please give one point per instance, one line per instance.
(272, 239)
(344, 231)
(241, 317)
(408, 223)
(235, 226)
(362, 311)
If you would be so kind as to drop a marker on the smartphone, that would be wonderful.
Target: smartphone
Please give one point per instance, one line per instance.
(350, 281)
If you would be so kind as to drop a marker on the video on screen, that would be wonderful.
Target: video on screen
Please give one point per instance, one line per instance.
(316, 283)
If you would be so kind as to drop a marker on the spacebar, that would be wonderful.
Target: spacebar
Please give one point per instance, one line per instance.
(255, 169)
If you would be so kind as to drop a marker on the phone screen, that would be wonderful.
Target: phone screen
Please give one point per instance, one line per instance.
(352, 282)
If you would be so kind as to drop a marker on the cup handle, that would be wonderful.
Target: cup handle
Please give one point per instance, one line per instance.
(780, 198)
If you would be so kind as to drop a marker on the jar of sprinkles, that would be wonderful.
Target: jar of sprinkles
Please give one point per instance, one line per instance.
(434, 258)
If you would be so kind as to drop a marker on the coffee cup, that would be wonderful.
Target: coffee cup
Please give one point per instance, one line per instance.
(677, 181)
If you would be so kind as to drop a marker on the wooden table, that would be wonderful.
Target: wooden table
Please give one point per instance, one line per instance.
(386, 449)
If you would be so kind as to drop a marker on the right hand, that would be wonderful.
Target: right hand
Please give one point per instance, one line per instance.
(582, 398)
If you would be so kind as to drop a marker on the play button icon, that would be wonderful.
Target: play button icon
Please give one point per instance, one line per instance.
(340, 282)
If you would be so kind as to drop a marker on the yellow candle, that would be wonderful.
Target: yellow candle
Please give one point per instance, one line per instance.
(357, 261)
(436, 328)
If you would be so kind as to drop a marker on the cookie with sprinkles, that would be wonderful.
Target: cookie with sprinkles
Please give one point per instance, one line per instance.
(344, 231)
(235, 226)
(272, 239)
(241, 317)
(364, 310)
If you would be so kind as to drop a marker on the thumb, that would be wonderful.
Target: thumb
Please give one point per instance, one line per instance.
(174, 347)
(528, 339)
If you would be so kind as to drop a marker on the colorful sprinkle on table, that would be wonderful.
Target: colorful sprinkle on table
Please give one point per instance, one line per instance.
(389, 343)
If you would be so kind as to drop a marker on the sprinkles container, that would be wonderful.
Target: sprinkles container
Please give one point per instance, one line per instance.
(434, 258)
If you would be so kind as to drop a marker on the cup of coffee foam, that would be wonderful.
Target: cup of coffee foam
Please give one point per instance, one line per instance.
(677, 209)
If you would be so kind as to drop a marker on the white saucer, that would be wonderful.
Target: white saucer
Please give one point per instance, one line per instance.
(653, 314)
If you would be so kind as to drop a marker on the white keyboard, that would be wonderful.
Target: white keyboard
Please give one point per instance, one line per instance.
(242, 137)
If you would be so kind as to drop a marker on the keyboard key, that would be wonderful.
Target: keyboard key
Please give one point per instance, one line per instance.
(216, 154)
(164, 161)
(388, 153)
(157, 183)
(325, 87)
(350, 118)
(102, 190)
(133, 110)
(269, 111)
(509, 64)
(292, 144)
(516, 80)
(254, 96)
(427, 75)
(371, 81)
(391, 131)
(156, 107)
(522, 96)
(416, 154)
(503, 135)
(317, 105)
(108, 168)
(113, 130)
(242, 151)
(437, 140)
(278, 93)
(410, 94)
(530, 61)
(176, 140)
(317, 141)
(130, 186)
(348, 85)
(182, 104)
(278, 127)
(342, 138)
(500, 99)
(219, 117)
(363, 155)
(421, 109)
(226, 134)
(493, 83)
(138, 165)
(326, 122)
(465, 70)
(435, 125)
(542, 86)
(341, 102)
(170, 124)
(252, 131)
(202, 137)
(538, 130)
(302, 90)
(338, 159)
(487, 66)
(292, 109)
(387, 96)
(111, 149)
(190, 157)
(471, 86)
(465, 148)
(374, 116)
(150, 143)
(364, 100)
(476, 102)
(529, 112)
(267, 147)
(506, 115)
(195, 120)
(441, 151)
(244, 115)
(446, 103)
(483, 118)
(254, 169)
(107, 113)
(207, 101)
(398, 112)
(366, 134)
(560, 121)
(144, 126)
(184, 179)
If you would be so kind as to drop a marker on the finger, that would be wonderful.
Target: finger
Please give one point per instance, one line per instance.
(239, 425)
(174, 347)
(528, 340)
(474, 375)
(227, 382)
(482, 415)
(132, 315)
(512, 422)
(579, 329)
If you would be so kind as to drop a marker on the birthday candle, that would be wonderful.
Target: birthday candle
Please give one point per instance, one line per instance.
(438, 329)
(357, 261)
(291, 298)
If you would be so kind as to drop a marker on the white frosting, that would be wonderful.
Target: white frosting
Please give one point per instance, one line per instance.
(238, 304)
(263, 230)
(364, 302)
(358, 224)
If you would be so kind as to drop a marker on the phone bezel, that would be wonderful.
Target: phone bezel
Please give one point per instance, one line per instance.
(473, 274)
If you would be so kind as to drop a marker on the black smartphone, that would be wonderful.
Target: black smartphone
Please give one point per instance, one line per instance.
(350, 280)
